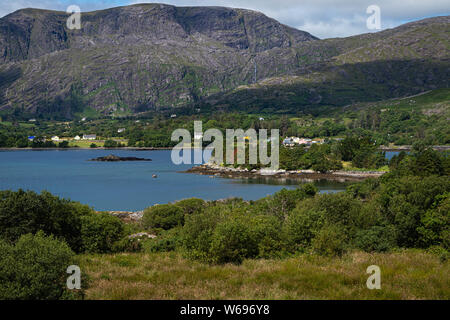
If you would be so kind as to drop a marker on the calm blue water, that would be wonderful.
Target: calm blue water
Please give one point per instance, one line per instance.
(126, 186)
(391, 154)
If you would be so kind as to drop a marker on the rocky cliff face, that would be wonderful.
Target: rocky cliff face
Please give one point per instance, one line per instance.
(31, 33)
(149, 57)
(137, 58)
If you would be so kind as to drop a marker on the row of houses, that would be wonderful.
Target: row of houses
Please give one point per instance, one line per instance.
(77, 138)
(292, 141)
(56, 138)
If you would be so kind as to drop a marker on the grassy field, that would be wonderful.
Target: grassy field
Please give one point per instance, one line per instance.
(347, 166)
(409, 274)
(85, 143)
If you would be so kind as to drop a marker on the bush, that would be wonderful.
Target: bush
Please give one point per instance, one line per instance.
(435, 223)
(28, 212)
(34, 268)
(164, 216)
(100, 232)
(266, 232)
(165, 242)
(63, 144)
(196, 234)
(376, 239)
(110, 144)
(343, 210)
(309, 189)
(127, 244)
(191, 206)
(302, 226)
(232, 242)
(330, 241)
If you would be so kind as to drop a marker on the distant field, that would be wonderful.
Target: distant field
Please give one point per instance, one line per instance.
(409, 274)
(85, 144)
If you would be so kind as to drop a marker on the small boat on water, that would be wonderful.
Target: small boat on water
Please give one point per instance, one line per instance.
(154, 176)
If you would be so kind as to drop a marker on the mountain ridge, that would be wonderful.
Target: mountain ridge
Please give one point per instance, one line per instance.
(152, 57)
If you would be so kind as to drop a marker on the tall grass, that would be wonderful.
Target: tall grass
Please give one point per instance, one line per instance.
(409, 274)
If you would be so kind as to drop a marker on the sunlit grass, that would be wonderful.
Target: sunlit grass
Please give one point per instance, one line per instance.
(410, 274)
(85, 143)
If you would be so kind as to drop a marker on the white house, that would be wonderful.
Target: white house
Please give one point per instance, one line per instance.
(55, 138)
(77, 138)
(89, 136)
(304, 141)
(288, 142)
(173, 116)
(121, 130)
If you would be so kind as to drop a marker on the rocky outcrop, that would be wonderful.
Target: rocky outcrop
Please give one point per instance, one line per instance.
(126, 216)
(113, 158)
(213, 170)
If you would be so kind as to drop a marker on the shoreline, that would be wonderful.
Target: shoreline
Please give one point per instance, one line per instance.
(82, 148)
(382, 148)
(340, 176)
(409, 148)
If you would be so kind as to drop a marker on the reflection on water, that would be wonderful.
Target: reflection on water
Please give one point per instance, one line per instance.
(322, 184)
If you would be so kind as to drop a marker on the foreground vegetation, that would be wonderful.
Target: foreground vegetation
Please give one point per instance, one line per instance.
(405, 274)
(389, 218)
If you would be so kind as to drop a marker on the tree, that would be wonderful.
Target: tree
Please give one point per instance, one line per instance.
(63, 144)
(110, 144)
(34, 268)
(25, 212)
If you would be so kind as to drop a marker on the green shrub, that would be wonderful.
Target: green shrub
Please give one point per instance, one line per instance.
(63, 144)
(191, 206)
(165, 242)
(232, 242)
(24, 212)
(416, 207)
(342, 209)
(302, 226)
(309, 189)
(330, 241)
(34, 268)
(266, 232)
(196, 234)
(100, 232)
(127, 244)
(376, 239)
(284, 201)
(110, 144)
(164, 216)
(435, 223)
(159, 245)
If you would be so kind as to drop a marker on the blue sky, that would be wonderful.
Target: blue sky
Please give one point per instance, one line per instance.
(322, 18)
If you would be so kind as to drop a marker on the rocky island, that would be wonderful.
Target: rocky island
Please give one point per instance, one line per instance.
(114, 158)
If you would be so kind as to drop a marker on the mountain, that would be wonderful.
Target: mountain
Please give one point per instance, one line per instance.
(153, 57)
(399, 62)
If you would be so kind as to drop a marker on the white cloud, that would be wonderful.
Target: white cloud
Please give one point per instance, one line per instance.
(322, 18)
